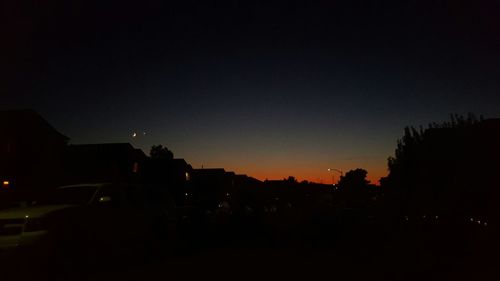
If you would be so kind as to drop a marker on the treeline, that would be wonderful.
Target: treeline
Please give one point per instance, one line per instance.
(448, 168)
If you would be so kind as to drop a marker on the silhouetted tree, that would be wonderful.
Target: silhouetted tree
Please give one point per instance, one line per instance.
(354, 189)
(160, 152)
(446, 168)
(354, 180)
(291, 179)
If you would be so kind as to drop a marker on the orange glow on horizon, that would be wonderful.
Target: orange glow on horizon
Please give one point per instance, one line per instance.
(312, 170)
(325, 177)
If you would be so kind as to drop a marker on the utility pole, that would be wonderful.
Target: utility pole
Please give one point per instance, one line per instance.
(335, 170)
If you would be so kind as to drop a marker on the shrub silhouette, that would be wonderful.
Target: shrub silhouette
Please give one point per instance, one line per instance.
(161, 152)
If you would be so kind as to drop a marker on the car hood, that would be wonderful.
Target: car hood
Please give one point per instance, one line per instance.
(32, 212)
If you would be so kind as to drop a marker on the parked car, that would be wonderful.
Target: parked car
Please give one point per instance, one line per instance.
(89, 220)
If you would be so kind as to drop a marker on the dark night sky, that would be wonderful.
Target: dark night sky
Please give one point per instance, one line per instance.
(270, 90)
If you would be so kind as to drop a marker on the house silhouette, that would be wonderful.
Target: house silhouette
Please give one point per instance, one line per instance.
(31, 150)
(106, 162)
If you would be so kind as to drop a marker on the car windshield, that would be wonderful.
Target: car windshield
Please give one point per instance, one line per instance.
(75, 195)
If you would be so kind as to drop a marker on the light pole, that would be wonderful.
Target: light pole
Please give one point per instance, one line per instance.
(335, 170)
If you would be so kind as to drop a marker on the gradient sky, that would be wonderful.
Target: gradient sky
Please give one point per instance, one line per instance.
(265, 88)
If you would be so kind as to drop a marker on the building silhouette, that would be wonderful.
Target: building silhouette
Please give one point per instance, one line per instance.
(31, 150)
(107, 162)
(170, 175)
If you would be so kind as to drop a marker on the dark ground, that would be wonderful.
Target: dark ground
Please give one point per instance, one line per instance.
(316, 250)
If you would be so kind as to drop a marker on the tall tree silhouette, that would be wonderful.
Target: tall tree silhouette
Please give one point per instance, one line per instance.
(446, 168)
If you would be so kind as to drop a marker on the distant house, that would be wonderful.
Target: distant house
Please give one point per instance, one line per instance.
(216, 178)
(244, 181)
(31, 150)
(211, 186)
(169, 172)
(247, 199)
(108, 162)
(173, 175)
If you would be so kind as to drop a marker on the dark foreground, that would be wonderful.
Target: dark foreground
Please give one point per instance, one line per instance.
(316, 250)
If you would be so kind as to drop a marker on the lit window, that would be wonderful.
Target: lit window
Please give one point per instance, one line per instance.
(5, 183)
(188, 177)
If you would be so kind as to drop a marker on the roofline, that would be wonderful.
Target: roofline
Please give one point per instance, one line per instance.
(34, 112)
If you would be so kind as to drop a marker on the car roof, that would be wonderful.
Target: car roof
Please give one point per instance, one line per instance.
(89, 185)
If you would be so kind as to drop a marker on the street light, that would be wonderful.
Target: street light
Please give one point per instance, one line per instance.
(335, 170)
